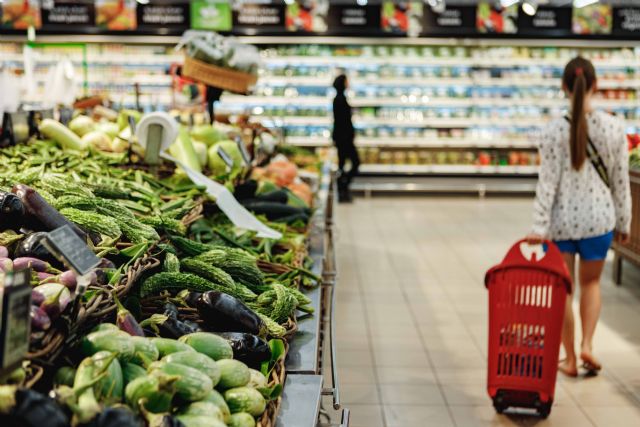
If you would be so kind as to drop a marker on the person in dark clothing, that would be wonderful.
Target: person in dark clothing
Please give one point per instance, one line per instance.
(343, 137)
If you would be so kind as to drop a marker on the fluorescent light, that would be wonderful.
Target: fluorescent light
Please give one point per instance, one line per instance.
(583, 3)
(438, 6)
(529, 7)
(508, 3)
(143, 1)
(362, 2)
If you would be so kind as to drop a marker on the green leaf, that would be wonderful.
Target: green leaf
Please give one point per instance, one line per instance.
(271, 393)
(136, 250)
(277, 352)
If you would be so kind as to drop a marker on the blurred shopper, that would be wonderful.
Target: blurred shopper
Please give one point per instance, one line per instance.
(583, 200)
(343, 137)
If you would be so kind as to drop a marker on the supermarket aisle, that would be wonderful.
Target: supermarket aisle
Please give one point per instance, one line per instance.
(412, 319)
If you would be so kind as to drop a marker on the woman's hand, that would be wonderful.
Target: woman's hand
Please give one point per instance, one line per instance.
(534, 239)
(622, 238)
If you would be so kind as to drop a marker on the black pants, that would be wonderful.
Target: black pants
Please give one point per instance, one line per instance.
(347, 151)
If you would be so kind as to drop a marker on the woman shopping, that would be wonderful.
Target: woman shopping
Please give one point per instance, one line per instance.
(343, 136)
(583, 201)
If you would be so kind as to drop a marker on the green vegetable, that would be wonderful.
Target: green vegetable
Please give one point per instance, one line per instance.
(64, 376)
(113, 341)
(105, 327)
(203, 408)
(218, 167)
(91, 221)
(131, 371)
(87, 406)
(214, 346)
(242, 419)
(207, 134)
(185, 152)
(201, 151)
(274, 328)
(190, 247)
(216, 398)
(110, 388)
(240, 264)
(208, 271)
(82, 125)
(245, 399)
(171, 263)
(168, 346)
(192, 385)
(198, 361)
(199, 421)
(61, 134)
(174, 282)
(146, 351)
(166, 223)
(233, 373)
(257, 379)
(153, 392)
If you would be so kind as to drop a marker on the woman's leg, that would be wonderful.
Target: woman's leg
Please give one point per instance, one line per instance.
(569, 365)
(590, 303)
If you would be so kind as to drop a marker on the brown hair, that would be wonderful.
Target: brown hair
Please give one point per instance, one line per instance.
(578, 78)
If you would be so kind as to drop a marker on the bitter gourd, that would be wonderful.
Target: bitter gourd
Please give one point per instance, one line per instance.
(171, 263)
(208, 271)
(164, 223)
(175, 282)
(238, 263)
(92, 221)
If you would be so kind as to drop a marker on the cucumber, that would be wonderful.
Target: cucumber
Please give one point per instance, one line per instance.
(106, 327)
(199, 421)
(217, 399)
(233, 374)
(145, 351)
(210, 344)
(113, 341)
(64, 376)
(131, 371)
(257, 379)
(167, 346)
(153, 392)
(191, 385)
(209, 409)
(110, 388)
(198, 361)
(242, 419)
(245, 399)
(87, 406)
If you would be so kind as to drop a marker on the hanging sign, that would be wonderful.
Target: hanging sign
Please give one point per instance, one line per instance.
(551, 21)
(20, 14)
(454, 20)
(255, 16)
(349, 19)
(595, 19)
(626, 21)
(307, 16)
(116, 15)
(491, 18)
(402, 18)
(65, 13)
(214, 15)
(163, 14)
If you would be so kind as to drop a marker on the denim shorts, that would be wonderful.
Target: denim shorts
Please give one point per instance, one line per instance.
(589, 249)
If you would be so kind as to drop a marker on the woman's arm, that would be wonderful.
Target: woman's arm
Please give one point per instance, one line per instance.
(620, 187)
(548, 181)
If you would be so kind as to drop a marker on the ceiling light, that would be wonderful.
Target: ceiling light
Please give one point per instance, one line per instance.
(508, 3)
(529, 7)
(582, 3)
(362, 2)
(438, 6)
(143, 1)
(289, 1)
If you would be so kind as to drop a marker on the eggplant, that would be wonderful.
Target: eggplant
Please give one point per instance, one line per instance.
(37, 298)
(174, 328)
(31, 246)
(12, 212)
(4, 252)
(36, 207)
(247, 348)
(171, 311)
(40, 320)
(30, 409)
(6, 265)
(35, 264)
(116, 417)
(222, 313)
(271, 210)
(125, 320)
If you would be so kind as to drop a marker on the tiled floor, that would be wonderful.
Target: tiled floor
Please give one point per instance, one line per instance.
(412, 319)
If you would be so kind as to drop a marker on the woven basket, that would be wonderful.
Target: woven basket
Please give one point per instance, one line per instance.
(223, 78)
(277, 376)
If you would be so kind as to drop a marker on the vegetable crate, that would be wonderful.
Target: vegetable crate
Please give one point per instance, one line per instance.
(526, 309)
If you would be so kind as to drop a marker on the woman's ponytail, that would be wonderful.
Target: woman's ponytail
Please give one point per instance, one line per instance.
(579, 77)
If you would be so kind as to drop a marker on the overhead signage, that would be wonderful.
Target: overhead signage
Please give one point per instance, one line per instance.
(348, 19)
(626, 21)
(257, 17)
(555, 21)
(402, 18)
(214, 15)
(454, 20)
(595, 19)
(163, 14)
(20, 14)
(65, 13)
(116, 15)
(491, 18)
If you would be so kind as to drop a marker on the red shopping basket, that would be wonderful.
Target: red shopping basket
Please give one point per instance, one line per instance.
(526, 309)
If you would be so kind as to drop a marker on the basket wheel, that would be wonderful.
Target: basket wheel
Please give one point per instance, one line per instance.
(544, 409)
(499, 404)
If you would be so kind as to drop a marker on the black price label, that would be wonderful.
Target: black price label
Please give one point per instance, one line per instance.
(225, 157)
(16, 321)
(65, 244)
(243, 151)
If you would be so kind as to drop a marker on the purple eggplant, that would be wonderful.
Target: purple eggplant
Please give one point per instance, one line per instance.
(68, 279)
(43, 276)
(106, 263)
(6, 265)
(34, 263)
(12, 212)
(57, 297)
(31, 246)
(125, 320)
(4, 252)
(40, 320)
(38, 208)
(37, 298)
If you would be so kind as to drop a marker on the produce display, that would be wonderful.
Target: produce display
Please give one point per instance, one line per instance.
(185, 322)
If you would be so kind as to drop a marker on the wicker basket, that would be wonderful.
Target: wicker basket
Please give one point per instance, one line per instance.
(277, 376)
(223, 78)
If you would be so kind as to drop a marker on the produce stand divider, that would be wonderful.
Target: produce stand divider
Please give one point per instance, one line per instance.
(630, 252)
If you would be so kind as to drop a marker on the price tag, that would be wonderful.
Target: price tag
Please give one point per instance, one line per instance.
(243, 151)
(15, 319)
(65, 245)
(225, 157)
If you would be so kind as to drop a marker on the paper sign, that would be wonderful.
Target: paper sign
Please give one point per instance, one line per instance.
(237, 214)
(65, 245)
(15, 320)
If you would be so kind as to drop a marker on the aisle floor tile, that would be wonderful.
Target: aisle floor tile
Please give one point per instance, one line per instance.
(417, 416)
(408, 394)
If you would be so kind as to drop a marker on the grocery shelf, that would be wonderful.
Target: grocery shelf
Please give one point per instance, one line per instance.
(480, 185)
(301, 398)
(448, 169)
(397, 142)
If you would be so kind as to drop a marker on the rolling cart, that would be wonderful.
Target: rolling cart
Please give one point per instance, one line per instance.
(527, 296)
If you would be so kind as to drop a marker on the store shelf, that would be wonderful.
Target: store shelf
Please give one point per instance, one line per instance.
(479, 185)
(300, 404)
(448, 169)
(396, 142)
